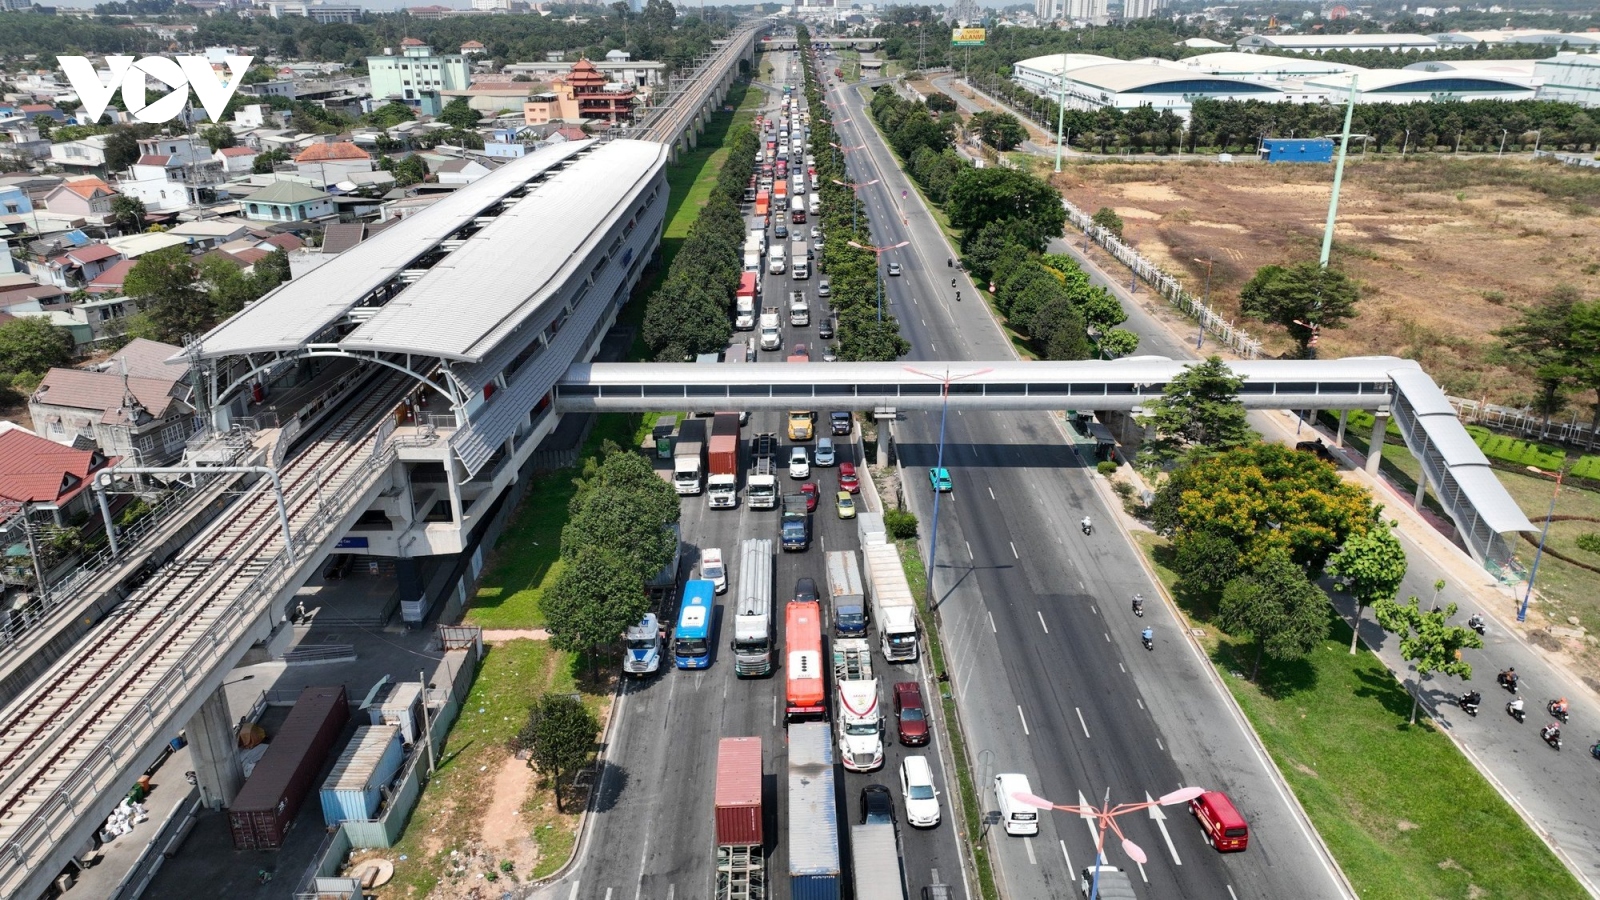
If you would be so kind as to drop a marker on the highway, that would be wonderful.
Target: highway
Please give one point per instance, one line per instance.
(1050, 677)
(651, 834)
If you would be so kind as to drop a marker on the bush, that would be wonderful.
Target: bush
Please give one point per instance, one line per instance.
(1587, 467)
(1106, 467)
(1589, 541)
(901, 524)
(1521, 453)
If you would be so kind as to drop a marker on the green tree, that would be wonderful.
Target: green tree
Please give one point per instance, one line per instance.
(266, 160)
(391, 114)
(1428, 639)
(1205, 562)
(1541, 342)
(1370, 567)
(45, 124)
(122, 147)
(595, 597)
(559, 737)
(31, 344)
(227, 286)
(1107, 218)
(458, 114)
(1118, 342)
(1000, 130)
(270, 271)
(940, 103)
(1277, 606)
(1583, 325)
(626, 510)
(164, 284)
(1199, 408)
(129, 212)
(1030, 208)
(1303, 298)
(218, 137)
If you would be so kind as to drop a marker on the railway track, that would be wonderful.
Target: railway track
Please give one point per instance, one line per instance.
(88, 697)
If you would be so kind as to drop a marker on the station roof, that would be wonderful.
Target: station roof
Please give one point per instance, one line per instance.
(464, 306)
(1056, 63)
(1233, 62)
(297, 311)
(1132, 77)
(1403, 81)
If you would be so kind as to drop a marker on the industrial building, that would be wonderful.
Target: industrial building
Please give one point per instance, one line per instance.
(1570, 78)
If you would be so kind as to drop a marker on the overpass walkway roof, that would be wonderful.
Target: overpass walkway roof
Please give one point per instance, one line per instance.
(1457, 470)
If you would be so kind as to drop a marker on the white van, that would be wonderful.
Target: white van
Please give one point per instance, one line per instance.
(1018, 818)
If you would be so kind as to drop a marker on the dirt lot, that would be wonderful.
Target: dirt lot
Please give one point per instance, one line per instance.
(1446, 250)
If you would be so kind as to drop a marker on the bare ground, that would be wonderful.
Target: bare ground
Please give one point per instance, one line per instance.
(1444, 258)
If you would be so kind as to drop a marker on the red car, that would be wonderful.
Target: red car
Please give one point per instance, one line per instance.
(847, 478)
(810, 490)
(910, 716)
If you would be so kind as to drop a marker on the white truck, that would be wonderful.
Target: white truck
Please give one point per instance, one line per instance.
(800, 260)
(894, 611)
(753, 622)
(752, 255)
(771, 336)
(799, 309)
(689, 457)
(758, 233)
(761, 488)
(644, 647)
(860, 713)
(1114, 884)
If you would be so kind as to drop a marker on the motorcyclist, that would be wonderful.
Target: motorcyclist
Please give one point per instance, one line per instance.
(1086, 525)
(1515, 706)
(1551, 732)
(1558, 707)
(1509, 676)
(1471, 698)
(1475, 621)
(949, 262)
(958, 296)
(1138, 602)
(952, 282)
(1148, 635)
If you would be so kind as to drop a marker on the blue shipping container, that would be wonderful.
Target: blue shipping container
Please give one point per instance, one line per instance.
(1305, 150)
(354, 787)
(813, 830)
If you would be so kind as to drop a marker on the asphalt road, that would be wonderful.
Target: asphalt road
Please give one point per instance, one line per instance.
(1050, 677)
(651, 833)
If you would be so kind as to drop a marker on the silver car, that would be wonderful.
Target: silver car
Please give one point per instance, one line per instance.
(824, 454)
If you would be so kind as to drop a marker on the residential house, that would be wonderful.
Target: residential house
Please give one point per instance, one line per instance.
(331, 162)
(105, 314)
(133, 246)
(32, 111)
(204, 234)
(86, 196)
(84, 154)
(133, 405)
(417, 76)
(463, 171)
(236, 160)
(46, 476)
(74, 268)
(110, 281)
(14, 200)
(287, 201)
(172, 174)
(474, 47)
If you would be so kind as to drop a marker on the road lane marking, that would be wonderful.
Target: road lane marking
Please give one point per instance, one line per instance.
(992, 496)
(1093, 609)
(574, 894)
(1108, 636)
(1142, 873)
(969, 550)
(1231, 893)
(1064, 855)
(1081, 723)
(1161, 746)
(774, 711)
(1014, 549)
(1024, 726)
(924, 323)
(671, 889)
(1161, 823)
(1028, 843)
(1140, 702)
(1041, 621)
(991, 623)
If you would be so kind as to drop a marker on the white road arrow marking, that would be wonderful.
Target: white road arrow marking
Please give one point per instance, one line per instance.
(1160, 818)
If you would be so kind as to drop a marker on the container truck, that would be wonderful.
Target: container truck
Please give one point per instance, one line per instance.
(771, 337)
(758, 230)
(780, 196)
(859, 712)
(664, 586)
(689, 457)
(722, 484)
(813, 826)
(875, 861)
(741, 868)
(752, 621)
(260, 816)
(762, 487)
(894, 612)
(799, 309)
(752, 257)
(763, 203)
(849, 598)
(744, 302)
(799, 260)
(643, 642)
(795, 527)
(353, 791)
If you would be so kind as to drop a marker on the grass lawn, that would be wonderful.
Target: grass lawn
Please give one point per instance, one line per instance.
(1405, 814)
(449, 815)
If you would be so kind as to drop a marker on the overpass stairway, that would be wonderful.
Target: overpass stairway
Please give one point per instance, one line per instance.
(66, 739)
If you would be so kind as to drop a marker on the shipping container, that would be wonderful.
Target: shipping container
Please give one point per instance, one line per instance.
(265, 807)
(813, 814)
(875, 862)
(399, 703)
(738, 797)
(354, 789)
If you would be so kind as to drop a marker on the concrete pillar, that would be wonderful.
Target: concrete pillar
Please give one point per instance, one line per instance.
(453, 485)
(883, 443)
(212, 751)
(1380, 424)
(1338, 437)
(1422, 492)
(408, 579)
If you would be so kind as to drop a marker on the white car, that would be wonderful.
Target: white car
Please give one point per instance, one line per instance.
(816, 233)
(799, 463)
(921, 797)
(712, 569)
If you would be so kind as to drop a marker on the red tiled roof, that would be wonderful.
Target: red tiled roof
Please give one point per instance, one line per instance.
(103, 392)
(572, 133)
(251, 256)
(86, 187)
(36, 108)
(35, 470)
(472, 45)
(286, 242)
(237, 151)
(112, 278)
(413, 42)
(92, 253)
(331, 151)
(151, 159)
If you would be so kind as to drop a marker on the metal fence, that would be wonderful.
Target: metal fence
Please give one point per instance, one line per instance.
(1527, 423)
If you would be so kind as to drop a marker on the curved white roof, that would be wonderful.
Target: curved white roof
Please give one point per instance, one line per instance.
(1132, 76)
(1056, 63)
(1403, 80)
(1233, 62)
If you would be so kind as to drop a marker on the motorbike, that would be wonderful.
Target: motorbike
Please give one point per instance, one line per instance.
(1468, 704)
(949, 262)
(1552, 737)
(1595, 750)
(952, 282)
(1551, 708)
(1509, 682)
(958, 296)
(1515, 711)
(1149, 640)
(1476, 623)
(1087, 528)
(1138, 606)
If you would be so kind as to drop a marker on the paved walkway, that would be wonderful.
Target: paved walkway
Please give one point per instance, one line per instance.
(501, 635)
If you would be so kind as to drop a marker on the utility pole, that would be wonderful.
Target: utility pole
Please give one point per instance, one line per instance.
(1338, 175)
(1061, 107)
(427, 730)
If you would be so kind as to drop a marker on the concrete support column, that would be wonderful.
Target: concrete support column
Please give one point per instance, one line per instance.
(408, 579)
(212, 753)
(1380, 424)
(1338, 437)
(453, 484)
(883, 444)
(1422, 493)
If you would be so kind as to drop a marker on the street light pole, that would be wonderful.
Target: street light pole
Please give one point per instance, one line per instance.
(1522, 611)
(1106, 815)
(938, 466)
(878, 253)
(854, 206)
(1061, 108)
(1503, 133)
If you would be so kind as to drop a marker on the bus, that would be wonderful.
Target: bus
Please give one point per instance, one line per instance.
(802, 636)
(691, 642)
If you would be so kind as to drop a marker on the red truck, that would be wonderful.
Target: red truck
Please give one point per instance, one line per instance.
(738, 814)
(722, 488)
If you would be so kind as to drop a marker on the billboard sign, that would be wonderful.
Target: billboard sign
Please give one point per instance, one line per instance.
(967, 37)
